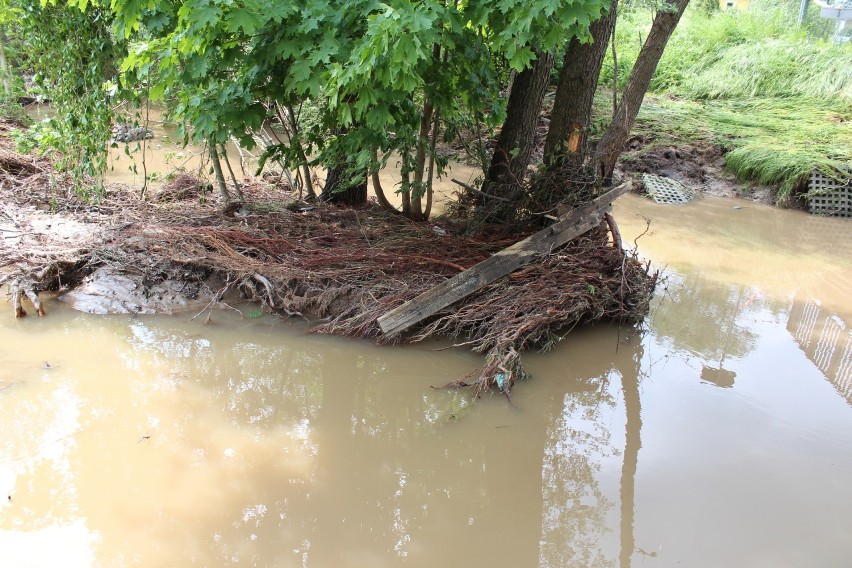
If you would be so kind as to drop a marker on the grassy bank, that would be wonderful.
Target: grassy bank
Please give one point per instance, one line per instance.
(759, 52)
(769, 141)
(776, 98)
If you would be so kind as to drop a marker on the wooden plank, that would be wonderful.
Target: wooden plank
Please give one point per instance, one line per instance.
(504, 262)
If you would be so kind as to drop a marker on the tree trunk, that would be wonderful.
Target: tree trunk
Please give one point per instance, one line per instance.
(220, 177)
(578, 81)
(4, 67)
(418, 188)
(514, 145)
(431, 167)
(239, 191)
(405, 192)
(303, 158)
(612, 142)
(341, 187)
(380, 194)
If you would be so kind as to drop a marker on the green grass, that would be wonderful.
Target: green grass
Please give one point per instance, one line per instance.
(776, 98)
(760, 53)
(773, 68)
(770, 141)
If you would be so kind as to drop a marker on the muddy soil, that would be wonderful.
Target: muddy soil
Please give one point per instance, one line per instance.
(130, 283)
(700, 167)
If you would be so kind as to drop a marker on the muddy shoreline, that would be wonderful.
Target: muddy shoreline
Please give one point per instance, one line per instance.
(700, 167)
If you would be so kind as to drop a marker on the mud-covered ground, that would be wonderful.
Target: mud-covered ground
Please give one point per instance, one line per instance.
(700, 167)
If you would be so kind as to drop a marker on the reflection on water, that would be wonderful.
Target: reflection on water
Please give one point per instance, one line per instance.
(577, 510)
(162, 442)
(826, 340)
(575, 507)
(701, 317)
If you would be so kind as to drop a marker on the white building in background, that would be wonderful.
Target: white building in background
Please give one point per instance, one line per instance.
(840, 10)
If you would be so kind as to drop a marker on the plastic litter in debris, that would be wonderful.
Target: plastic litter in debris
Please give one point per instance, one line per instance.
(501, 378)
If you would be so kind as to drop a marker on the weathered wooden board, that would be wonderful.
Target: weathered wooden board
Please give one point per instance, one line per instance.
(568, 226)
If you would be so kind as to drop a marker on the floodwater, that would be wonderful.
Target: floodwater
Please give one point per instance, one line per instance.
(158, 157)
(165, 154)
(721, 436)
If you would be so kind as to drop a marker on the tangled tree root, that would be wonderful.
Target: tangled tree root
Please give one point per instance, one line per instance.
(586, 281)
(20, 287)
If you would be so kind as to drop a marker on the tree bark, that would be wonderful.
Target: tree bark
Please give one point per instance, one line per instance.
(220, 177)
(612, 142)
(418, 187)
(430, 191)
(380, 194)
(514, 145)
(239, 191)
(578, 81)
(405, 193)
(341, 187)
(4, 67)
(377, 185)
(303, 158)
(423, 144)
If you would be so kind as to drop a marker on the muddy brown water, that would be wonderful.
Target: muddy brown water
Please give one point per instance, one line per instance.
(164, 155)
(722, 436)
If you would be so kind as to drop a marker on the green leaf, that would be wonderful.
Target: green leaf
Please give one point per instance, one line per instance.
(242, 19)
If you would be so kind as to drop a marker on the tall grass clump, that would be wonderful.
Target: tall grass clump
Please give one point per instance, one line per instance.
(700, 41)
(780, 67)
(758, 52)
(780, 142)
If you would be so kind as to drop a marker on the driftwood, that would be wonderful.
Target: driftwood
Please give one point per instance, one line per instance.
(472, 189)
(25, 283)
(569, 226)
(20, 288)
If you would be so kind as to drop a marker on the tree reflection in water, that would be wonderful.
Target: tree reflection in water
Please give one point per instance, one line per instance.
(630, 371)
(249, 443)
(700, 317)
(712, 321)
(576, 509)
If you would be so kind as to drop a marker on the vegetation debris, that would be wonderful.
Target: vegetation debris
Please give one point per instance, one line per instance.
(338, 268)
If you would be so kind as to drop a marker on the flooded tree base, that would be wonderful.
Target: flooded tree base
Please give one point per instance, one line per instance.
(338, 268)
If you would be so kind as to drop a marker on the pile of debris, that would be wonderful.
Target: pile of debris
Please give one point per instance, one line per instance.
(126, 133)
(342, 269)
